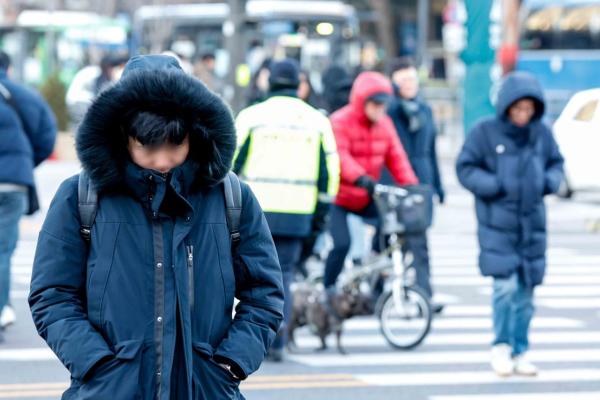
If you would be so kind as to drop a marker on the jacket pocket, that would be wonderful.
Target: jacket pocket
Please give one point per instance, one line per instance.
(221, 235)
(104, 246)
(119, 375)
(210, 380)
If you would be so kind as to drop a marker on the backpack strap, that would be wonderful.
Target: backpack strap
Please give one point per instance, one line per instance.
(87, 204)
(233, 204)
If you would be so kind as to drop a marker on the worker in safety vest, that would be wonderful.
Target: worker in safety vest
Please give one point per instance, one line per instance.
(287, 154)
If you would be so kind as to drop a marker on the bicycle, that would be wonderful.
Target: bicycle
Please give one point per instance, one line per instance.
(383, 286)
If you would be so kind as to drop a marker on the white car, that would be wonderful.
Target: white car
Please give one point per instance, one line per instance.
(577, 132)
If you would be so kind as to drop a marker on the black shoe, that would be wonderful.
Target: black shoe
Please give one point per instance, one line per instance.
(275, 355)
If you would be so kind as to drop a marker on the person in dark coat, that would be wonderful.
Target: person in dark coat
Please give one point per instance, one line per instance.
(27, 135)
(337, 84)
(144, 310)
(510, 162)
(416, 128)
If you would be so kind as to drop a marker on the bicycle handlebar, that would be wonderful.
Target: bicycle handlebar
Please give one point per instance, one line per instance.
(393, 190)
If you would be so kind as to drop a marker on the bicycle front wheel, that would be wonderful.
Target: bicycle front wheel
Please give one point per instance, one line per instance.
(406, 324)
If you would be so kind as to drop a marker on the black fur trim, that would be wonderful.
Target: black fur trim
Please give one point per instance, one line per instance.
(102, 146)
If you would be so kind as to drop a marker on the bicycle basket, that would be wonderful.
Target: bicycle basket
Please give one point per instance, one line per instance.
(405, 214)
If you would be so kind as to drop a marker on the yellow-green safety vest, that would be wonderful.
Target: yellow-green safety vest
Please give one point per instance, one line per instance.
(283, 159)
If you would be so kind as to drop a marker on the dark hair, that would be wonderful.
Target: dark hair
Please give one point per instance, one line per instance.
(208, 56)
(401, 63)
(152, 129)
(4, 60)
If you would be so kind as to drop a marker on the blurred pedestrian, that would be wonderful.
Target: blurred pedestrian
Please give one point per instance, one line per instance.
(204, 69)
(416, 128)
(307, 93)
(510, 162)
(139, 305)
(287, 155)
(27, 135)
(366, 141)
(259, 85)
(106, 77)
(337, 85)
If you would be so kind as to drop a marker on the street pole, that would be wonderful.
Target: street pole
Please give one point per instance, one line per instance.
(233, 30)
(423, 8)
(51, 39)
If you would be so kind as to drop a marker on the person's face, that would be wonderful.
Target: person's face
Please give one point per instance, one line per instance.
(375, 111)
(210, 64)
(161, 158)
(407, 81)
(521, 112)
(303, 88)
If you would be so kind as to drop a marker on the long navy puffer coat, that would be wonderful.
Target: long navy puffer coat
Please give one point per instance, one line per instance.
(510, 170)
(156, 291)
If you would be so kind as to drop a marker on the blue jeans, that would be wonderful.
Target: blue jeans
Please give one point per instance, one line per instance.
(12, 206)
(512, 312)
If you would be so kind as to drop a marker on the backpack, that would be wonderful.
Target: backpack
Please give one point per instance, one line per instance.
(88, 207)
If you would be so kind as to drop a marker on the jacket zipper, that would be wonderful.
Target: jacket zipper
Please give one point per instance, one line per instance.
(190, 264)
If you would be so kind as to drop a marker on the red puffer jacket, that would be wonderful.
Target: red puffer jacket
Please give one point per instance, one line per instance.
(364, 147)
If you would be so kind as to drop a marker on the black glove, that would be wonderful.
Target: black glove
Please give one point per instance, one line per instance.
(441, 196)
(367, 183)
(320, 217)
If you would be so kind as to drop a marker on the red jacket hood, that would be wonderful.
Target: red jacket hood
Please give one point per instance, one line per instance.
(366, 85)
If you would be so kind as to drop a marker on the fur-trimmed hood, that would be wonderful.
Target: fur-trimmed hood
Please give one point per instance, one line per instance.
(156, 84)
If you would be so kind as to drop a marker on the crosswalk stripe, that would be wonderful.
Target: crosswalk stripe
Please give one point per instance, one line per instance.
(305, 340)
(441, 358)
(566, 270)
(477, 378)
(29, 354)
(461, 260)
(557, 291)
(523, 396)
(481, 281)
(466, 323)
(571, 303)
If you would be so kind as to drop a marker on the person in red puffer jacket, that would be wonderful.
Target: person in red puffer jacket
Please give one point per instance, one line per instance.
(366, 139)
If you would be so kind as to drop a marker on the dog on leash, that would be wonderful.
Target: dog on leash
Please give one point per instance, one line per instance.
(311, 308)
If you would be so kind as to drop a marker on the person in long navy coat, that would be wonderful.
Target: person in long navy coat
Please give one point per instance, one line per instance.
(144, 311)
(415, 126)
(510, 162)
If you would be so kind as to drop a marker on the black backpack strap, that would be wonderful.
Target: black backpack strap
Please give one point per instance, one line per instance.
(233, 203)
(87, 204)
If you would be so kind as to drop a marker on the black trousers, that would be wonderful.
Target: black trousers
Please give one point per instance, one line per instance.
(288, 252)
(338, 228)
(416, 243)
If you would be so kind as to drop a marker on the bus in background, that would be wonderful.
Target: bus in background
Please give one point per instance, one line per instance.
(314, 32)
(79, 37)
(560, 45)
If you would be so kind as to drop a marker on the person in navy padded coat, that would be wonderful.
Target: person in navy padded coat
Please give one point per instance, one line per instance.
(510, 162)
(145, 310)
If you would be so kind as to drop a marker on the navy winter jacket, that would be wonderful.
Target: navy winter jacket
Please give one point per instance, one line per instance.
(510, 170)
(27, 136)
(420, 145)
(155, 290)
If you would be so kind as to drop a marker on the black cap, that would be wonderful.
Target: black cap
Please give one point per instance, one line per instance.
(380, 98)
(285, 74)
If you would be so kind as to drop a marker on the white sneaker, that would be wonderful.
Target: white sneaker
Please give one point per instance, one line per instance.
(524, 367)
(7, 317)
(502, 363)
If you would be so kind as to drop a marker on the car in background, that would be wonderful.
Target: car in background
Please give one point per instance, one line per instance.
(577, 132)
